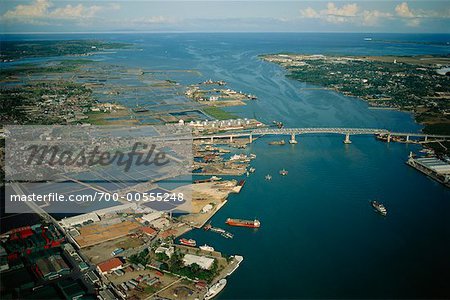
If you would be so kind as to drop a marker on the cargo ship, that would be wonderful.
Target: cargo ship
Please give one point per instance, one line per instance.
(379, 207)
(190, 242)
(243, 223)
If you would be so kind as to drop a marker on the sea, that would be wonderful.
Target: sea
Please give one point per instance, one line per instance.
(319, 236)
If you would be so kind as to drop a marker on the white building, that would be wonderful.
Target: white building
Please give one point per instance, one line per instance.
(206, 208)
(152, 216)
(77, 220)
(160, 223)
(203, 261)
(166, 250)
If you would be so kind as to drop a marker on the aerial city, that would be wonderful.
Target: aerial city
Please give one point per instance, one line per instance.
(225, 149)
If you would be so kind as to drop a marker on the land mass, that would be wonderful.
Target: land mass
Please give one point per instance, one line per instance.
(15, 50)
(419, 84)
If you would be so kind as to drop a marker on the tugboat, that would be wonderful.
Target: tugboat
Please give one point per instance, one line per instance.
(283, 172)
(216, 289)
(190, 242)
(379, 207)
(268, 177)
(281, 142)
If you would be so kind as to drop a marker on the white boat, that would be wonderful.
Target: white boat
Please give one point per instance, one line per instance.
(216, 289)
(251, 170)
(268, 177)
(207, 248)
(283, 172)
(227, 235)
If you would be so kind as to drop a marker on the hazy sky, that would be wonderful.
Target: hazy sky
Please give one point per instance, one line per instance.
(218, 16)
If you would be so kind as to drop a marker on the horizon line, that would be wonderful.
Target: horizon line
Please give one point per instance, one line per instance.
(187, 32)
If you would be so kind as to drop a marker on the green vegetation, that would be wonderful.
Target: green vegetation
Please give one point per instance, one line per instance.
(14, 50)
(140, 258)
(48, 68)
(218, 113)
(176, 265)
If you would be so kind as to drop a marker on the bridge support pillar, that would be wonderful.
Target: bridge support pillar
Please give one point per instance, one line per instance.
(347, 139)
(407, 138)
(389, 138)
(293, 140)
(231, 138)
(426, 138)
(250, 138)
(212, 139)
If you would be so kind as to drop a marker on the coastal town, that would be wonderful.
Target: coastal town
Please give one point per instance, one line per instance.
(131, 250)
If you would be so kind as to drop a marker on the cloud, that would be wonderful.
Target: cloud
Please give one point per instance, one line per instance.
(309, 13)
(403, 10)
(351, 13)
(44, 10)
(332, 13)
(372, 17)
(348, 10)
(74, 12)
(37, 9)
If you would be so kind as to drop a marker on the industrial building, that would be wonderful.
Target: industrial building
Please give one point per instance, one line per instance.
(203, 261)
(52, 267)
(435, 168)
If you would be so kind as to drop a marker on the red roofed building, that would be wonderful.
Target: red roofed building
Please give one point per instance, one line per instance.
(148, 231)
(110, 265)
(167, 233)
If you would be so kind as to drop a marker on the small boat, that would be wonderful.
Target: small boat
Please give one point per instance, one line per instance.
(214, 290)
(207, 248)
(227, 235)
(379, 207)
(251, 170)
(283, 172)
(217, 230)
(278, 124)
(268, 177)
(207, 227)
(190, 242)
(281, 142)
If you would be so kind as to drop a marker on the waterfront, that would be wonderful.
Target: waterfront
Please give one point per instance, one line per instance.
(319, 236)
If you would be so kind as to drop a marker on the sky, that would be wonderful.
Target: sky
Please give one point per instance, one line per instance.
(47, 16)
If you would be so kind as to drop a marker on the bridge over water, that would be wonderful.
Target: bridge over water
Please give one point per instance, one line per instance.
(293, 132)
